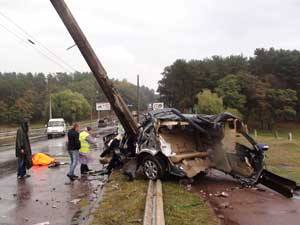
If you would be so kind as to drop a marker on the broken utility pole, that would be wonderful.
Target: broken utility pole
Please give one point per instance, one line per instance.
(113, 96)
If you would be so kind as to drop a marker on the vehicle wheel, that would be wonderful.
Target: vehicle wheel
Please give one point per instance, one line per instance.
(49, 136)
(153, 167)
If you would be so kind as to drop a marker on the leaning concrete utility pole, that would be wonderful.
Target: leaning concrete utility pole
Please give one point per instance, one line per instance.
(113, 96)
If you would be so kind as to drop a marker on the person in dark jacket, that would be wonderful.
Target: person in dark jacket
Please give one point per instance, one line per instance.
(23, 149)
(73, 149)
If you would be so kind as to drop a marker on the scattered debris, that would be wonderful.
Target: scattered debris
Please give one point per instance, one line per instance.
(224, 205)
(221, 216)
(43, 223)
(136, 221)
(189, 187)
(75, 201)
(54, 206)
(223, 194)
(115, 186)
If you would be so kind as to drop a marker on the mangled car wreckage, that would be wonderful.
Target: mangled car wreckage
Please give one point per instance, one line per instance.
(188, 145)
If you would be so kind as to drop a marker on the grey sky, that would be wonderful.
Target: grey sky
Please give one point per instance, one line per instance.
(142, 37)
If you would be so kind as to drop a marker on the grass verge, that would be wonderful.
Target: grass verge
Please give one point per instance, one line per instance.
(283, 157)
(123, 202)
(184, 208)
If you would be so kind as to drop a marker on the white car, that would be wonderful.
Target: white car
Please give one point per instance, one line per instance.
(56, 127)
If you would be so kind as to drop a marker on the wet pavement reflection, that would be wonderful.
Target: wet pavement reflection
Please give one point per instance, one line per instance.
(47, 194)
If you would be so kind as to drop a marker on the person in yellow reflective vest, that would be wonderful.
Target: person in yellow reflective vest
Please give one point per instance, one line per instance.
(86, 140)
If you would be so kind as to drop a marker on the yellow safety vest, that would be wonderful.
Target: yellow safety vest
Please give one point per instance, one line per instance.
(85, 146)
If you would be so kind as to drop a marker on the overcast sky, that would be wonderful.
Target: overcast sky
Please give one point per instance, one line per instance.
(142, 37)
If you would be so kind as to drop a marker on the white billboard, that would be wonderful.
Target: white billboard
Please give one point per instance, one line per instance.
(103, 106)
(158, 105)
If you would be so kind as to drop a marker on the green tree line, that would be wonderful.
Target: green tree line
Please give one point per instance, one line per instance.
(28, 95)
(263, 89)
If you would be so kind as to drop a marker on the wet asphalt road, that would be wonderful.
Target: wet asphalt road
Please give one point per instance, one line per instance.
(247, 206)
(46, 195)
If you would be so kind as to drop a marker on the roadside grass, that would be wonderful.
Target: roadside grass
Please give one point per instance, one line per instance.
(282, 130)
(184, 208)
(283, 156)
(123, 202)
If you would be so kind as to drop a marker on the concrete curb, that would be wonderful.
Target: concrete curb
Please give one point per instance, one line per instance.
(154, 209)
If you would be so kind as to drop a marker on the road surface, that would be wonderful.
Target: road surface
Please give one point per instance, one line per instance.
(46, 195)
(246, 206)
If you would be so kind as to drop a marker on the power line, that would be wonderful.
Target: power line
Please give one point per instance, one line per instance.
(36, 41)
(29, 43)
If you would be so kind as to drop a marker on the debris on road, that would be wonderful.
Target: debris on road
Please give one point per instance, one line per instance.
(221, 216)
(223, 194)
(224, 205)
(43, 223)
(75, 201)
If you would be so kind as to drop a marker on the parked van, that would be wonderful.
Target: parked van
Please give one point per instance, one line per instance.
(56, 127)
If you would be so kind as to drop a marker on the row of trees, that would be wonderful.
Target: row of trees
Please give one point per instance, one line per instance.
(28, 95)
(263, 89)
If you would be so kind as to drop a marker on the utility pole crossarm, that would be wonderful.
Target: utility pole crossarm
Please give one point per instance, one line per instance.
(113, 96)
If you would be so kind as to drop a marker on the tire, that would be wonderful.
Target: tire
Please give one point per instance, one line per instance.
(49, 136)
(153, 167)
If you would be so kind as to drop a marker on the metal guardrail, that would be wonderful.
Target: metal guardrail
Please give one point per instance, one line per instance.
(8, 138)
(13, 133)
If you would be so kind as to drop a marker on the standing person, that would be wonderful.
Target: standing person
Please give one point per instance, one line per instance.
(73, 149)
(84, 152)
(23, 149)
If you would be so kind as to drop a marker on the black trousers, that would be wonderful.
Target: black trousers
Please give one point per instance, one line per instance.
(84, 168)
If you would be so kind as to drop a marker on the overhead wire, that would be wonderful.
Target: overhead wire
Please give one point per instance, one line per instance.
(32, 40)
(26, 41)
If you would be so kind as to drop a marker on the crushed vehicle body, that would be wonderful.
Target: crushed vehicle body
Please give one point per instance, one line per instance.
(187, 145)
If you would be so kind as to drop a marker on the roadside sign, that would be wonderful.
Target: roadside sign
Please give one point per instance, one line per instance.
(103, 106)
(158, 105)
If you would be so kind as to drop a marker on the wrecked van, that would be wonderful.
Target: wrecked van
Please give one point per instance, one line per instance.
(188, 145)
